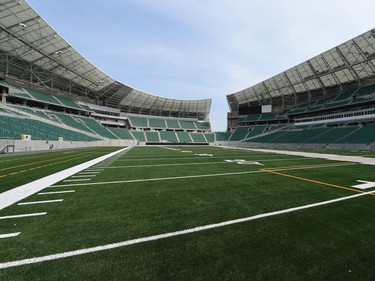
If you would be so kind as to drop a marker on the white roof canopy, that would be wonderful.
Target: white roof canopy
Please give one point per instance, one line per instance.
(351, 63)
(31, 50)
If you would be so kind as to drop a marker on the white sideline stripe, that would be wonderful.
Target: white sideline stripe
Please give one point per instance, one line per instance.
(56, 192)
(23, 216)
(9, 235)
(197, 176)
(40, 202)
(346, 158)
(77, 180)
(84, 176)
(14, 195)
(171, 234)
(88, 173)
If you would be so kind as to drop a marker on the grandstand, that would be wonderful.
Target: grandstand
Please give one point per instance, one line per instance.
(57, 87)
(327, 100)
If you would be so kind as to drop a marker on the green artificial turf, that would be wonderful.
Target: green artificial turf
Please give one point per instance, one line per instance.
(21, 169)
(331, 242)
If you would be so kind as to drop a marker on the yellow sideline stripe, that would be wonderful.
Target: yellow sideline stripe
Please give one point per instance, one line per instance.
(32, 163)
(315, 181)
(42, 166)
(306, 166)
(49, 160)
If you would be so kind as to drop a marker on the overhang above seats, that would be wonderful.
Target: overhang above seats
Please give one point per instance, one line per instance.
(34, 52)
(347, 66)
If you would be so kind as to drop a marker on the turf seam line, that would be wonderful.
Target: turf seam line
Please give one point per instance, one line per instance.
(171, 234)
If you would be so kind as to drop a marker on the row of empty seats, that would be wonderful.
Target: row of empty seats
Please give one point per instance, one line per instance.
(79, 122)
(21, 124)
(321, 135)
(172, 124)
(12, 127)
(170, 136)
(35, 95)
(262, 117)
(350, 98)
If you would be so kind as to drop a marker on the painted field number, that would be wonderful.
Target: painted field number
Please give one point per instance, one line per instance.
(364, 184)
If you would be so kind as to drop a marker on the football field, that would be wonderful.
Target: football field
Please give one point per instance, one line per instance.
(188, 213)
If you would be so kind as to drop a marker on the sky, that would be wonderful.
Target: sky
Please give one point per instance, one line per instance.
(200, 49)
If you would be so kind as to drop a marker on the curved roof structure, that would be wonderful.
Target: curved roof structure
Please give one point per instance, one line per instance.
(349, 65)
(31, 50)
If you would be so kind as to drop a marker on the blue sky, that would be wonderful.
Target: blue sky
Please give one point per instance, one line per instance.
(203, 48)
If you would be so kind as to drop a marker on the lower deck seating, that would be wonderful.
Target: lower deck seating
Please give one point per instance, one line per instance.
(198, 137)
(139, 135)
(152, 137)
(321, 135)
(168, 136)
(14, 127)
(94, 126)
(121, 133)
(222, 136)
(184, 137)
(240, 133)
(210, 137)
(365, 135)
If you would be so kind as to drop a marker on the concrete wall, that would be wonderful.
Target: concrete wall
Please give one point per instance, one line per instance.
(36, 145)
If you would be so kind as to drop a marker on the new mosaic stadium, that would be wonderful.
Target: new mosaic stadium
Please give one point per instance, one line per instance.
(101, 181)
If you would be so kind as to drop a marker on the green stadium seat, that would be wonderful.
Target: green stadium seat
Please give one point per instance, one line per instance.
(168, 136)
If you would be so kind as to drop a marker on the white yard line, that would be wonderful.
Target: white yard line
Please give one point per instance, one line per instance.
(171, 234)
(93, 170)
(197, 176)
(88, 173)
(9, 235)
(84, 176)
(40, 202)
(23, 216)
(10, 197)
(77, 180)
(56, 192)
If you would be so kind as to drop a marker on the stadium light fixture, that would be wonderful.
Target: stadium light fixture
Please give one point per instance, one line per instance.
(59, 52)
(22, 25)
